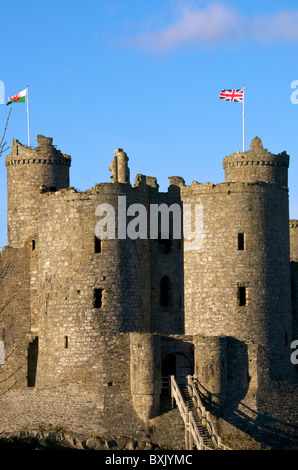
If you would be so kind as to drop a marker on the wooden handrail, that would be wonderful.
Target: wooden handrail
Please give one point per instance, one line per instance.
(205, 415)
(192, 433)
(176, 394)
(195, 436)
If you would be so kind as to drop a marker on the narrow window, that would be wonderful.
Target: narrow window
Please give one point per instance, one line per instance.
(165, 292)
(97, 245)
(97, 298)
(33, 245)
(242, 296)
(66, 342)
(241, 241)
(32, 362)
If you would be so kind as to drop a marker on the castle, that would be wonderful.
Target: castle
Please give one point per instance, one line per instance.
(92, 327)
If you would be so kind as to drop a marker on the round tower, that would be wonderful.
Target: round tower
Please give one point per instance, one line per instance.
(257, 165)
(237, 283)
(30, 172)
(92, 287)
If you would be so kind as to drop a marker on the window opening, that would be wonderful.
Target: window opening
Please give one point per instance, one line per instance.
(97, 245)
(97, 298)
(242, 296)
(32, 362)
(241, 241)
(165, 292)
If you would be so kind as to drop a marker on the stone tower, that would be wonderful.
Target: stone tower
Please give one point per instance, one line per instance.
(239, 302)
(30, 172)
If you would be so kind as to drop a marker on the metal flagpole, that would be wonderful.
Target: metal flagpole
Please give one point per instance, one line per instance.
(243, 123)
(28, 117)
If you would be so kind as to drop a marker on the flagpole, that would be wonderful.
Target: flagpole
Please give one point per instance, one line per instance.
(28, 117)
(243, 123)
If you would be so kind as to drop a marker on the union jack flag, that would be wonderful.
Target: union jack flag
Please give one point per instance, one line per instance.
(232, 95)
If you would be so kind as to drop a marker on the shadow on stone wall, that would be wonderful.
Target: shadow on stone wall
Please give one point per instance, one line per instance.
(271, 419)
(265, 429)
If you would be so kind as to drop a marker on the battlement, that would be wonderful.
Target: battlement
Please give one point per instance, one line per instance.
(229, 188)
(45, 153)
(257, 164)
(293, 223)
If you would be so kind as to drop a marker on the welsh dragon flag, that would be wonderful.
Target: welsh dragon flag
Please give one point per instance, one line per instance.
(18, 98)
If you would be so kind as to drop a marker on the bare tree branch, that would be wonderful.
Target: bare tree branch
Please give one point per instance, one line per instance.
(2, 143)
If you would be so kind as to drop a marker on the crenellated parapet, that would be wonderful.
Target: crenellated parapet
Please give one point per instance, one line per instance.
(45, 152)
(257, 164)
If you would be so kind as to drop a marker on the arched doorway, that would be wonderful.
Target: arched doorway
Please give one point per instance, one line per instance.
(176, 364)
(183, 369)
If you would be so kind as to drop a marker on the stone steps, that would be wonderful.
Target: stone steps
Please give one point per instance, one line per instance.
(202, 429)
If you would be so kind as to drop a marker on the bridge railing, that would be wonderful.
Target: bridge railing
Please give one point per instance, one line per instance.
(205, 415)
(193, 436)
(192, 433)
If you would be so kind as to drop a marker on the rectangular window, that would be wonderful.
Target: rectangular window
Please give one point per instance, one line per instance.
(66, 342)
(242, 296)
(32, 362)
(241, 241)
(97, 298)
(97, 245)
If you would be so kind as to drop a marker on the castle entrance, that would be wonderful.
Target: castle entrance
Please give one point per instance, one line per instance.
(176, 364)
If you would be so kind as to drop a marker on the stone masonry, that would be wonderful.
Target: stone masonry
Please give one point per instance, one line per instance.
(91, 327)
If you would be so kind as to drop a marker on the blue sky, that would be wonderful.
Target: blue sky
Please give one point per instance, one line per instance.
(146, 76)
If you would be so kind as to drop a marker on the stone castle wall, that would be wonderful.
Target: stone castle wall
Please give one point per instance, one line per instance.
(98, 323)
